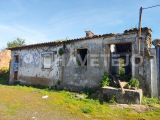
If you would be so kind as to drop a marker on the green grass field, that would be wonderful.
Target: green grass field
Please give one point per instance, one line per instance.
(26, 102)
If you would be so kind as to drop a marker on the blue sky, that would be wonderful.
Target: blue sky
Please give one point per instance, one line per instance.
(39, 21)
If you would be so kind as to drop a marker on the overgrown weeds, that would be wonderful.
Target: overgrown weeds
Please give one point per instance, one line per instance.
(106, 80)
(149, 101)
(88, 91)
(121, 71)
(4, 76)
(134, 82)
(60, 51)
(113, 100)
(87, 109)
(28, 97)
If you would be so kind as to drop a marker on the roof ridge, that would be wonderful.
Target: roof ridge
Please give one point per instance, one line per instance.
(77, 39)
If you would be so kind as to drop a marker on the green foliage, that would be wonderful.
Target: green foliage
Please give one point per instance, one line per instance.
(121, 71)
(62, 40)
(57, 41)
(150, 32)
(4, 70)
(78, 62)
(114, 85)
(127, 84)
(130, 103)
(68, 105)
(60, 51)
(88, 91)
(149, 101)
(112, 100)
(58, 82)
(134, 82)
(70, 95)
(4, 79)
(16, 43)
(135, 27)
(65, 39)
(106, 80)
(4, 76)
(86, 109)
(49, 87)
(121, 65)
(124, 78)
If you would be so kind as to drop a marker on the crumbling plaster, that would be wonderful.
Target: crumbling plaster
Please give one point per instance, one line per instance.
(76, 78)
(31, 74)
(80, 77)
(158, 69)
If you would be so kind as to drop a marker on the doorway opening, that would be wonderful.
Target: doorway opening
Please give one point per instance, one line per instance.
(16, 67)
(120, 60)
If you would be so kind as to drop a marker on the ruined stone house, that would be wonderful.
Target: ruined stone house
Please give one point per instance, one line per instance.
(47, 63)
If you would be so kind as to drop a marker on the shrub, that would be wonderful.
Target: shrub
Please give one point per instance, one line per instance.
(4, 75)
(58, 82)
(121, 71)
(4, 70)
(134, 82)
(106, 80)
(112, 100)
(125, 78)
(88, 91)
(57, 40)
(60, 51)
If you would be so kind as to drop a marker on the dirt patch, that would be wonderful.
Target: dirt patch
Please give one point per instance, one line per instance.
(137, 108)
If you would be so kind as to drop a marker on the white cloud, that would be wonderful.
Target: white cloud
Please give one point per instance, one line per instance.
(10, 33)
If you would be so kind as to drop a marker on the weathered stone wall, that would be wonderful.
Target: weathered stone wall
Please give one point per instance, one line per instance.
(131, 96)
(5, 57)
(158, 69)
(76, 78)
(147, 72)
(156, 43)
(31, 71)
(79, 77)
(154, 74)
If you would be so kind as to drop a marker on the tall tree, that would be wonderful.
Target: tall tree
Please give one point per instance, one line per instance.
(16, 43)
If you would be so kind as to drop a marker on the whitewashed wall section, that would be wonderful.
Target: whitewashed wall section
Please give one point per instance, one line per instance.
(158, 69)
(31, 59)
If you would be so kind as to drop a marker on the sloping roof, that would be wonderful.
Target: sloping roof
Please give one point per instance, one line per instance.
(77, 39)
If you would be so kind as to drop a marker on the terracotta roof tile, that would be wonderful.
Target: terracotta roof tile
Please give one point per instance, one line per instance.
(77, 39)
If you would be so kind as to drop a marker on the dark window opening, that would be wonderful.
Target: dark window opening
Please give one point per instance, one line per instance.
(123, 48)
(137, 60)
(83, 56)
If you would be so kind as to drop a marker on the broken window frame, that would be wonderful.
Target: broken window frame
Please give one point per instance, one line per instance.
(46, 55)
(77, 57)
